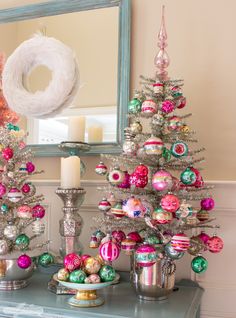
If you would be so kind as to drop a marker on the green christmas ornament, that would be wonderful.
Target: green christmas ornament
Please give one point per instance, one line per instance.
(46, 259)
(12, 127)
(107, 273)
(153, 240)
(134, 106)
(22, 241)
(188, 177)
(199, 264)
(166, 154)
(77, 276)
(4, 208)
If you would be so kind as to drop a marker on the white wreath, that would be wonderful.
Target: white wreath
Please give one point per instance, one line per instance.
(41, 50)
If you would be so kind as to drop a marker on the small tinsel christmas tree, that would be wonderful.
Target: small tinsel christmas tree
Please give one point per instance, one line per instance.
(20, 208)
(154, 184)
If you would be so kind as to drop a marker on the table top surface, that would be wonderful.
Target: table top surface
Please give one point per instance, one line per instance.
(120, 302)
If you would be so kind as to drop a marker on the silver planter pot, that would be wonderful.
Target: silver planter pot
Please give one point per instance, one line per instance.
(12, 276)
(155, 282)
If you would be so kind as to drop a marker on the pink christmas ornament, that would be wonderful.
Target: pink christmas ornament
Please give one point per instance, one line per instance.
(128, 245)
(162, 180)
(207, 204)
(25, 188)
(30, 167)
(135, 237)
(72, 261)
(141, 182)
(180, 242)
(14, 195)
(126, 182)
(24, 261)
(204, 237)
(149, 106)
(104, 205)
(167, 106)
(118, 235)
(170, 203)
(24, 212)
(215, 244)
(101, 169)
(133, 207)
(109, 251)
(181, 102)
(141, 170)
(7, 153)
(153, 146)
(3, 189)
(174, 123)
(146, 255)
(38, 211)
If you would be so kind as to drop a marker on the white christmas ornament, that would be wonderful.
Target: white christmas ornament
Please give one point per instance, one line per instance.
(59, 58)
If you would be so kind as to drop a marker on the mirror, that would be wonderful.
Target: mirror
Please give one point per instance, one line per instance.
(99, 34)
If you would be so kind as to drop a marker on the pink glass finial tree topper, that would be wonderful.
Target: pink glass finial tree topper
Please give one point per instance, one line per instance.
(162, 60)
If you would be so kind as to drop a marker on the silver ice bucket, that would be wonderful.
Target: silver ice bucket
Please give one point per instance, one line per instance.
(155, 282)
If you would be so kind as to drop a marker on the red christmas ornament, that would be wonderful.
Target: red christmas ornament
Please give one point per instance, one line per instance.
(135, 237)
(38, 211)
(181, 102)
(7, 153)
(25, 188)
(215, 244)
(109, 251)
(170, 203)
(141, 182)
(118, 235)
(141, 170)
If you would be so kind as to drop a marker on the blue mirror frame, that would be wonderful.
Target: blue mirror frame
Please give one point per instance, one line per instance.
(67, 6)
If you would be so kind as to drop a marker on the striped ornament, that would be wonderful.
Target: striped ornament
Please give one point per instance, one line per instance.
(180, 242)
(153, 146)
(109, 251)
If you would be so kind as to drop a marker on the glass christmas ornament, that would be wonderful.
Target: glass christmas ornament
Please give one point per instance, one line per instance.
(24, 261)
(4, 248)
(38, 211)
(215, 244)
(180, 242)
(92, 265)
(63, 274)
(107, 273)
(99, 235)
(77, 276)
(199, 264)
(134, 106)
(136, 127)
(166, 154)
(141, 170)
(94, 242)
(204, 237)
(38, 227)
(140, 182)
(117, 210)
(176, 91)
(203, 215)
(135, 236)
(46, 259)
(101, 169)
(153, 146)
(207, 204)
(161, 216)
(128, 245)
(25, 188)
(167, 106)
(188, 177)
(174, 123)
(146, 255)
(141, 153)
(30, 167)
(170, 203)
(3, 189)
(104, 205)
(162, 180)
(11, 231)
(118, 235)
(133, 207)
(83, 258)
(185, 129)
(22, 241)
(153, 240)
(93, 279)
(158, 88)
(196, 246)
(129, 145)
(179, 149)
(7, 153)
(149, 107)
(109, 251)
(158, 119)
(4, 208)
(126, 182)
(172, 253)
(116, 176)
(14, 195)
(185, 210)
(72, 261)
(181, 102)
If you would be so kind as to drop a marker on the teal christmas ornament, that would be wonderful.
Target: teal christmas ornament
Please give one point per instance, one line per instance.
(46, 259)
(107, 273)
(134, 106)
(199, 264)
(4, 208)
(77, 276)
(188, 177)
(22, 242)
(179, 149)
(12, 127)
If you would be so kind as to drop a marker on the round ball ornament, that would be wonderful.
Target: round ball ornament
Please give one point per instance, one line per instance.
(188, 177)
(38, 227)
(47, 51)
(153, 240)
(117, 210)
(185, 210)
(72, 261)
(4, 248)
(92, 265)
(83, 258)
(203, 215)
(181, 102)
(14, 195)
(141, 170)
(93, 279)
(118, 235)
(126, 182)
(172, 253)
(176, 91)
(107, 273)
(204, 238)
(104, 205)
(99, 235)
(25, 188)
(215, 244)
(140, 182)
(180, 242)
(149, 107)
(94, 242)
(161, 216)
(146, 255)
(133, 207)
(128, 245)
(77, 276)
(136, 127)
(38, 211)
(158, 119)
(116, 176)
(11, 231)
(153, 146)
(24, 261)
(170, 203)
(130, 147)
(7, 153)
(199, 264)
(167, 106)
(109, 251)
(30, 167)
(162, 180)
(101, 169)
(22, 242)
(46, 259)
(134, 106)
(135, 236)
(63, 274)
(196, 246)
(158, 88)
(3, 189)
(179, 149)
(174, 123)
(207, 204)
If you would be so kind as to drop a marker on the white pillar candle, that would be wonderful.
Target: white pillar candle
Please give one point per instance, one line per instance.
(70, 172)
(95, 134)
(76, 128)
